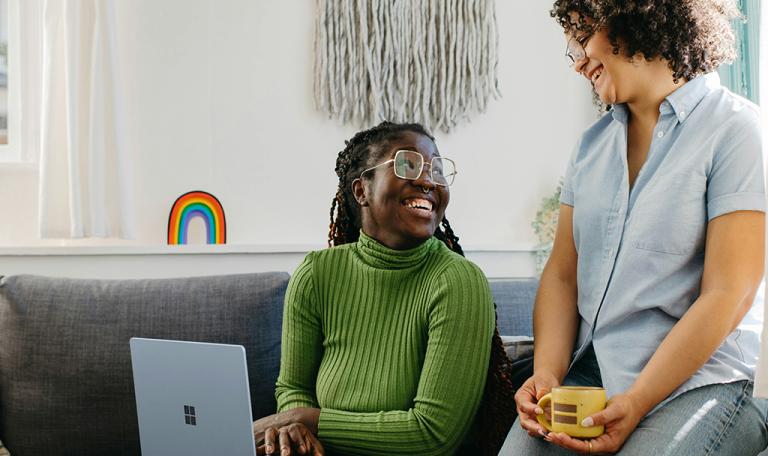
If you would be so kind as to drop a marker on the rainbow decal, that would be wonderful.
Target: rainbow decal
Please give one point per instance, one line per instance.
(197, 204)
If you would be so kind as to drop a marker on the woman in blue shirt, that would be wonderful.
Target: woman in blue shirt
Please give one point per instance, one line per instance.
(659, 250)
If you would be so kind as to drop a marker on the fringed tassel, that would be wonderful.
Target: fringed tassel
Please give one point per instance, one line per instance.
(427, 61)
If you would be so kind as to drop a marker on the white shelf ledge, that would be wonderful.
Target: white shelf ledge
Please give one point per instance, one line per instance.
(204, 249)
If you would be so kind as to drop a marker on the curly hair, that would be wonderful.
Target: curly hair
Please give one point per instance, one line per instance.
(694, 36)
(497, 410)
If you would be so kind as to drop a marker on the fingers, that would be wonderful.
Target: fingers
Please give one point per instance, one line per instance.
(611, 413)
(600, 445)
(533, 427)
(528, 406)
(285, 442)
(527, 409)
(527, 402)
(564, 440)
(317, 447)
(298, 437)
(530, 424)
(270, 439)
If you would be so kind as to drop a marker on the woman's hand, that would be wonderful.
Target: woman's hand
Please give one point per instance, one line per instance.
(273, 429)
(294, 436)
(620, 417)
(527, 397)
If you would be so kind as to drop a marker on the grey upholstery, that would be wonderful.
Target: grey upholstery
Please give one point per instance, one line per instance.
(514, 305)
(66, 386)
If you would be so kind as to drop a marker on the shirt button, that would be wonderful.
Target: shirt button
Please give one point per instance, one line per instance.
(660, 134)
(682, 114)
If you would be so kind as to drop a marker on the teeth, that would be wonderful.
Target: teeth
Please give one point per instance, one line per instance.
(596, 74)
(418, 203)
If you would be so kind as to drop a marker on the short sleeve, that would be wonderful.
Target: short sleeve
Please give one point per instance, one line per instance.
(566, 192)
(735, 181)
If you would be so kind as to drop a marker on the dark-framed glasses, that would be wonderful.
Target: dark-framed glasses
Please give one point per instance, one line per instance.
(409, 164)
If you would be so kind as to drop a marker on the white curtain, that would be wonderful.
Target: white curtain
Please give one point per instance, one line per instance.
(761, 374)
(72, 121)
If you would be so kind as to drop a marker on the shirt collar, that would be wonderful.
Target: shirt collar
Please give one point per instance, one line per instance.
(682, 101)
(620, 112)
(685, 99)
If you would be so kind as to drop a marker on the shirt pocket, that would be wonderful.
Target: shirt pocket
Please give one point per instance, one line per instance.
(672, 217)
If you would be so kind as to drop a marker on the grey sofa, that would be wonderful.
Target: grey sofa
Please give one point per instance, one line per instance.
(66, 386)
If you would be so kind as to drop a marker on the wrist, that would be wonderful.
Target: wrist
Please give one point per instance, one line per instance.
(546, 370)
(642, 399)
(308, 416)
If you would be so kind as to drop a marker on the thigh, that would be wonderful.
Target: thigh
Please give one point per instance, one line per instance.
(519, 443)
(718, 420)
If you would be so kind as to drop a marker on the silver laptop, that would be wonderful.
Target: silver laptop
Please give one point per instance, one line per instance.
(192, 398)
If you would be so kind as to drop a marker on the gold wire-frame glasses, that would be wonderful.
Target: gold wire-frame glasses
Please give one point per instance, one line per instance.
(409, 164)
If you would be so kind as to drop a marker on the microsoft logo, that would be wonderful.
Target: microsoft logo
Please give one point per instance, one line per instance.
(189, 415)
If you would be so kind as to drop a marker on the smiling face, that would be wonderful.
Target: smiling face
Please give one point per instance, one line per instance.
(612, 76)
(400, 213)
(615, 78)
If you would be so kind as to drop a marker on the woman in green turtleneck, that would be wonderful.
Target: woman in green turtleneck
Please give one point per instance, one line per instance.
(387, 336)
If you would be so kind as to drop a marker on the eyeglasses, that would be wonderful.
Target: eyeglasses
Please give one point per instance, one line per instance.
(574, 49)
(409, 164)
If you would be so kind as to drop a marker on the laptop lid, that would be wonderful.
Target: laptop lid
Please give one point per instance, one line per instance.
(192, 398)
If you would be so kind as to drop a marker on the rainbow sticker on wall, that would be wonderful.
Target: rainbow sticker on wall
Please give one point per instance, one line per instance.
(197, 204)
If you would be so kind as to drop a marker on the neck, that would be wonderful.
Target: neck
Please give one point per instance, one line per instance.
(656, 83)
(393, 241)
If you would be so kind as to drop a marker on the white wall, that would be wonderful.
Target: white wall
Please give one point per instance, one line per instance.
(219, 98)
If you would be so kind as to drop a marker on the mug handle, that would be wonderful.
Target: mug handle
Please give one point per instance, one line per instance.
(543, 402)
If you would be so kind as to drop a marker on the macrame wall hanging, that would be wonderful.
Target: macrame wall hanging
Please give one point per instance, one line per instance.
(427, 61)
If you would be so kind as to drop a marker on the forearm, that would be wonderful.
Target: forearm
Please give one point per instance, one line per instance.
(555, 323)
(708, 322)
(379, 433)
(290, 397)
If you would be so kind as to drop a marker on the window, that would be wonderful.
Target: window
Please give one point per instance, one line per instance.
(10, 150)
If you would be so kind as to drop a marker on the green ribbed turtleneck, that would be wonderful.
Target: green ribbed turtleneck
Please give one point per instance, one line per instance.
(391, 345)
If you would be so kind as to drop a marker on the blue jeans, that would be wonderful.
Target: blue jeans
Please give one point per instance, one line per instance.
(720, 419)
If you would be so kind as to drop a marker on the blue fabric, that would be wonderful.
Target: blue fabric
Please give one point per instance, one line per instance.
(641, 251)
(723, 420)
(514, 305)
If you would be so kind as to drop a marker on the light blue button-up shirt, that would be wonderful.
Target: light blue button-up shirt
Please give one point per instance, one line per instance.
(641, 250)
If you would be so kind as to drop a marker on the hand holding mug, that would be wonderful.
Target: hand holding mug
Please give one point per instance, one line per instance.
(570, 407)
(527, 398)
(621, 416)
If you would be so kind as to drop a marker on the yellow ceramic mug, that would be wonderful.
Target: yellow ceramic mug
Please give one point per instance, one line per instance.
(570, 405)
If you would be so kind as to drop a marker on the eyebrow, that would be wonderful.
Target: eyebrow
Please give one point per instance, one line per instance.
(413, 149)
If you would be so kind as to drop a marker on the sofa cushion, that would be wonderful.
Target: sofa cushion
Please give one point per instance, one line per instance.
(514, 305)
(66, 385)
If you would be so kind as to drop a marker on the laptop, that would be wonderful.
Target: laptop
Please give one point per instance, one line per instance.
(192, 398)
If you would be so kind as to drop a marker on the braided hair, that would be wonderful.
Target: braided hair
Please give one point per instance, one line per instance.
(497, 409)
